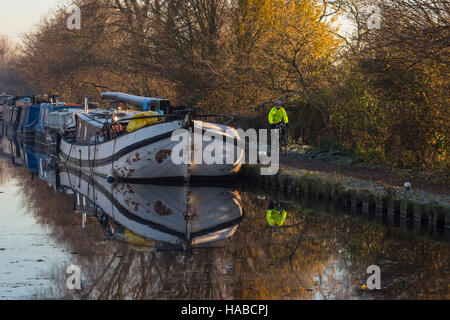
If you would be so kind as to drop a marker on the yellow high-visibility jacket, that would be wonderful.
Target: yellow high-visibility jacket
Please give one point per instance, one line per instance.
(274, 217)
(276, 116)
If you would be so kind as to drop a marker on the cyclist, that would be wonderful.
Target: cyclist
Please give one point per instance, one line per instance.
(278, 115)
(276, 215)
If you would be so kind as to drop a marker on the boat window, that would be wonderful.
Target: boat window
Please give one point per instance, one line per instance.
(79, 130)
(85, 133)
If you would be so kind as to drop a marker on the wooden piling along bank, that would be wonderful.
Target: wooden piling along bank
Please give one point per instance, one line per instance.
(329, 188)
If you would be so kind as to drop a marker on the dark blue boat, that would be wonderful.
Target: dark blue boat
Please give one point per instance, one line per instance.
(28, 121)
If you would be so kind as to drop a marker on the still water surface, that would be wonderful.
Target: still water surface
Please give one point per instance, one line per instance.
(197, 242)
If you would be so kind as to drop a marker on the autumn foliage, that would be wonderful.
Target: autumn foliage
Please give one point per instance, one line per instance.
(380, 94)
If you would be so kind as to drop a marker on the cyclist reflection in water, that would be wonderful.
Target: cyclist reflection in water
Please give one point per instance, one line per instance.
(276, 215)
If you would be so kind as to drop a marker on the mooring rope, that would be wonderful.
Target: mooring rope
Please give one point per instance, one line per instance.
(68, 156)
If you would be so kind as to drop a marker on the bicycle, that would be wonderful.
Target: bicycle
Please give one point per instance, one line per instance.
(283, 139)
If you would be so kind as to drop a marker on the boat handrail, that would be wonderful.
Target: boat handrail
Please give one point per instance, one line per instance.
(93, 119)
(176, 116)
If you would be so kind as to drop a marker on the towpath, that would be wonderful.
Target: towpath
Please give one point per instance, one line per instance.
(433, 183)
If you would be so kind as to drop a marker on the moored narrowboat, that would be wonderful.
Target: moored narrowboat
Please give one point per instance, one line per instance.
(28, 121)
(3, 102)
(12, 109)
(45, 110)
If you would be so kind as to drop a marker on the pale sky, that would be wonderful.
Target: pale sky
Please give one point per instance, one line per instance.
(19, 16)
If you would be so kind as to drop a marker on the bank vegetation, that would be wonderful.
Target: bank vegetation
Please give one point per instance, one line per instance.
(379, 93)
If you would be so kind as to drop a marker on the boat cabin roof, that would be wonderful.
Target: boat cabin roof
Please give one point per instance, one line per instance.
(99, 118)
(47, 108)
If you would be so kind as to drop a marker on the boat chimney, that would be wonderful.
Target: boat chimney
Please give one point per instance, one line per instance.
(86, 104)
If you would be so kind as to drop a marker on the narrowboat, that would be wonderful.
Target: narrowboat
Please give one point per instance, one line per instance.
(180, 217)
(45, 110)
(3, 102)
(30, 116)
(12, 110)
(7, 112)
(60, 123)
(28, 121)
(136, 146)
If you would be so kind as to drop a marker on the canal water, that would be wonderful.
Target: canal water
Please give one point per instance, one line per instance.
(198, 242)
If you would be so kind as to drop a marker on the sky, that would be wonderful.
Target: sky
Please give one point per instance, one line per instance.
(19, 16)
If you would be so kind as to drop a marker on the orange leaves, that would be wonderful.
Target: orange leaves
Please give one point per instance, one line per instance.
(293, 44)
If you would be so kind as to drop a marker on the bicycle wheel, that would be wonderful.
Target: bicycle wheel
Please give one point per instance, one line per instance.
(283, 145)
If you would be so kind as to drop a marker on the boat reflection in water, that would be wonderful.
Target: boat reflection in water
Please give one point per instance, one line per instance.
(25, 155)
(168, 217)
(155, 216)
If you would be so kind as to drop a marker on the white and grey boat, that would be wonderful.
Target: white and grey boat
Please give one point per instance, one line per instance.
(102, 143)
